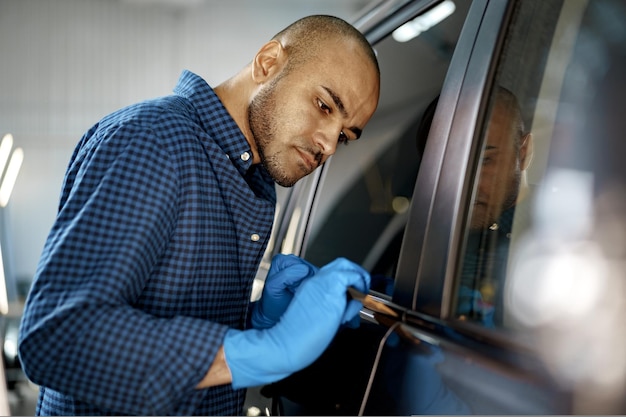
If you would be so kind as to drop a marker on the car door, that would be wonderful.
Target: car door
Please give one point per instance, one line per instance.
(469, 329)
(539, 287)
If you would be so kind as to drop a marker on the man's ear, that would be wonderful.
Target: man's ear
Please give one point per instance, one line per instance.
(526, 151)
(269, 61)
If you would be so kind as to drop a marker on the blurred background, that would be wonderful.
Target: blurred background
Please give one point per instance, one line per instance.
(67, 63)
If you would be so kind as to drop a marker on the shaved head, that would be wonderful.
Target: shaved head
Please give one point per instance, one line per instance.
(306, 38)
(313, 86)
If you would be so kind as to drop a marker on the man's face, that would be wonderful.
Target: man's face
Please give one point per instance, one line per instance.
(298, 118)
(501, 171)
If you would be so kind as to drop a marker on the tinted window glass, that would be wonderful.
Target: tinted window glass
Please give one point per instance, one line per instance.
(545, 226)
(545, 244)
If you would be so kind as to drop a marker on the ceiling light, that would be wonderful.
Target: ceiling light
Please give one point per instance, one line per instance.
(10, 176)
(5, 150)
(424, 21)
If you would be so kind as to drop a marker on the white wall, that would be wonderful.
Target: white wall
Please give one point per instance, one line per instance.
(66, 63)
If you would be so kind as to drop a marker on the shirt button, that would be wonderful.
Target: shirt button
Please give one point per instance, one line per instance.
(245, 156)
(254, 237)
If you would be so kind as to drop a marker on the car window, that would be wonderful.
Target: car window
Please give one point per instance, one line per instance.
(547, 161)
(367, 186)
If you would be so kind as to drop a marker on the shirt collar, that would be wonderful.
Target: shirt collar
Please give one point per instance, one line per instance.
(215, 119)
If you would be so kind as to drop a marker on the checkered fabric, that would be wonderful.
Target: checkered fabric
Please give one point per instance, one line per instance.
(161, 226)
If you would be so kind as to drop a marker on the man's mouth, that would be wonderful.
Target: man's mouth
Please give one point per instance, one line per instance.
(310, 162)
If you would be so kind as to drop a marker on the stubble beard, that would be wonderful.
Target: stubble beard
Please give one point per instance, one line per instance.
(262, 122)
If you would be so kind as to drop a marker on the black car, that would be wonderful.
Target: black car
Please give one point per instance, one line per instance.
(497, 287)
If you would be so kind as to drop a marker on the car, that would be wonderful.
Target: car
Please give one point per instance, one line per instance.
(458, 321)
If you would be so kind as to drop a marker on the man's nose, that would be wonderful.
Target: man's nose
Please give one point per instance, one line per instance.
(326, 139)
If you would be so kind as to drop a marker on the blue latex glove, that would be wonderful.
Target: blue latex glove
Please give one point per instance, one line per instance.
(285, 275)
(321, 304)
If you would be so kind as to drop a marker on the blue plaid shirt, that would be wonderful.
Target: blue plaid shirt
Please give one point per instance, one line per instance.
(161, 226)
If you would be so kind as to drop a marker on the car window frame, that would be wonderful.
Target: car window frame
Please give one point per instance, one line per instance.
(441, 188)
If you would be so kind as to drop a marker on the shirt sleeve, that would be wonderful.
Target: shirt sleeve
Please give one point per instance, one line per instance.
(81, 333)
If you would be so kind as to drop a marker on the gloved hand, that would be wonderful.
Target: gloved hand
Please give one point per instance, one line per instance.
(261, 356)
(285, 275)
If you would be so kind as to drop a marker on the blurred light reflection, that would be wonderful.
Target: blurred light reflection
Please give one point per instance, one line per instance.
(568, 285)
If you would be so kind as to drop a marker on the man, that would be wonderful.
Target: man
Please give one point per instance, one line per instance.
(501, 190)
(141, 297)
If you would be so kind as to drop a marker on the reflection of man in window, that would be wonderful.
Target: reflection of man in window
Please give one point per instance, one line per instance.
(501, 192)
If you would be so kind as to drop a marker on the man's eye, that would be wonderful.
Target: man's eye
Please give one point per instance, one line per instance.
(343, 138)
(323, 106)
